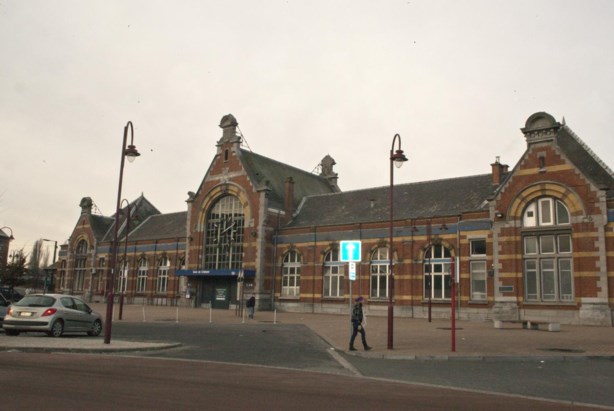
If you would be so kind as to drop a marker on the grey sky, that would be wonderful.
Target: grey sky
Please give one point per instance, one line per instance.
(456, 79)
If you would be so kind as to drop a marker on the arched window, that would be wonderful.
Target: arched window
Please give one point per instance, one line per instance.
(333, 275)
(545, 211)
(141, 276)
(291, 275)
(80, 264)
(123, 276)
(546, 251)
(437, 261)
(224, 234)
(162, 278)
(379, 272)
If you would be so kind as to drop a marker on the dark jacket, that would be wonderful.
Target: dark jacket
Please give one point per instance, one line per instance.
(357, 313)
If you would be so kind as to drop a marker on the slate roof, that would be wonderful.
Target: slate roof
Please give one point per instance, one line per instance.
(265, 171)
(414, 200)
(585, 160)
(100, 226)
(140, 210)
(172, 225)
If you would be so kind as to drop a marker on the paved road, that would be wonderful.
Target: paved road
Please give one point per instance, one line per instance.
(581, 380)
(94, 382)
(290, 345)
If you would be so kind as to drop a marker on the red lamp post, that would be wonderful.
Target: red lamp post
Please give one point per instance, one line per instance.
(131, 152)
(397, 158)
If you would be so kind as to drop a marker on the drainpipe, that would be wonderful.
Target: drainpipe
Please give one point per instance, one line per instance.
(275, 234)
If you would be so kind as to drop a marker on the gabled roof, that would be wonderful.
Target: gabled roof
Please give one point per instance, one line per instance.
(161, 226)
(140, 210)
(585, 160)
(446, 197)
(264, 171)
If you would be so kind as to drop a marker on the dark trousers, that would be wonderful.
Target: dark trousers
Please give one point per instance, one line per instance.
(357, 328)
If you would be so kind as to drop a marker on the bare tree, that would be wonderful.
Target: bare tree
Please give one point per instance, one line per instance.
(11, 275)
(39, 259)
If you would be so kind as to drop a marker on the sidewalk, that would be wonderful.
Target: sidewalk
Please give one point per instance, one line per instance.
(412, 338)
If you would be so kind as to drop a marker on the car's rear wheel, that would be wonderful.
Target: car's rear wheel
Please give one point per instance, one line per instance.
(57, 329)
(11, 332)
(96, 329)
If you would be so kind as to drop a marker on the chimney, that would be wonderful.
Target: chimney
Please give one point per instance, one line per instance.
(498, 171)
(289, 198)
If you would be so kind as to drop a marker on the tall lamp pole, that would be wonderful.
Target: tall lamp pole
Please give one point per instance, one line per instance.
(131, 152)
(55, 249)
(397, 158)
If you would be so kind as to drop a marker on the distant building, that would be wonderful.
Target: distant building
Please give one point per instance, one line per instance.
(532, 242)
(4, 248)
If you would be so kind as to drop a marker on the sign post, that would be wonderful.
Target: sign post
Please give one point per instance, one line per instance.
(350, 252)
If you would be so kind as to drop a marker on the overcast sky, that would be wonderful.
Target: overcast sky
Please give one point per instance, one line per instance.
(456, 79)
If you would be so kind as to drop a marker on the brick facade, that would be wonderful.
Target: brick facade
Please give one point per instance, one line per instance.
(533, 242)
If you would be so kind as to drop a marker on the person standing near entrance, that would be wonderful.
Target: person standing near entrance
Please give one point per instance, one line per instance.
(357, 327)
(251, 305)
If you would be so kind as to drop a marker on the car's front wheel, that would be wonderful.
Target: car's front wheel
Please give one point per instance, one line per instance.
(11, 332)
(96, 329)
(57, 329)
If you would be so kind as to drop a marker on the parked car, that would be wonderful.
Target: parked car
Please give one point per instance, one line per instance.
(54, 314)
(10, 294)
(4, 307)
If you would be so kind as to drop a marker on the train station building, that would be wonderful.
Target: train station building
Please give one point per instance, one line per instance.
(534, 240)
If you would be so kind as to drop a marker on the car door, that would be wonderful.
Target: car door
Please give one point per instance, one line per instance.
(83, 315)
(70, 314)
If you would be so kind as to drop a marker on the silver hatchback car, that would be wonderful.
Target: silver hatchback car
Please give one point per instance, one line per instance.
(54, 314)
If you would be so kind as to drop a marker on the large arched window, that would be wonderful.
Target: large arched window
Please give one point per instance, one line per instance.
(437, 261)
(379, 273)
(291, 275)
(224, 234)
(333, 275)
(546, 251)
(80, 264)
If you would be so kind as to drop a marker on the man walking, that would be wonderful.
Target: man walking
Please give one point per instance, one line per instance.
(251, 305)
(357, 318)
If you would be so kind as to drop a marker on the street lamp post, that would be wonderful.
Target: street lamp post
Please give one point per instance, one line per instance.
(131, 152)
(397, 158)
(55, 248)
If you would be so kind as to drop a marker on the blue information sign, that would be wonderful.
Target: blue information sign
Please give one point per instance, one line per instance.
(350, 250)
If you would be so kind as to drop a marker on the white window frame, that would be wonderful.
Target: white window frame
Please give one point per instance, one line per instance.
(333, 276)
(437, 266)
(291, 275)
(164, 266)
(479, 291)
(141, 278)
(380, 270)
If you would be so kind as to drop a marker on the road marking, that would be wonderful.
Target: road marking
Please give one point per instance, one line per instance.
(344, 363)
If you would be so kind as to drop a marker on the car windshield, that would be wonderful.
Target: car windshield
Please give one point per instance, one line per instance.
(36, 301)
